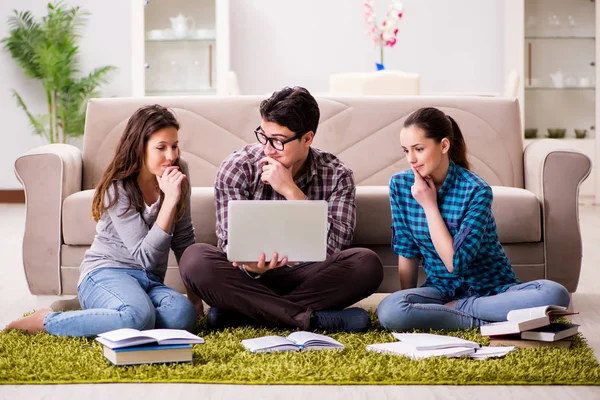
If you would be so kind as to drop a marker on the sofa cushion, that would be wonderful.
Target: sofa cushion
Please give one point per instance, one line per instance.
(517, 213)
(79, 228)
(361, 130)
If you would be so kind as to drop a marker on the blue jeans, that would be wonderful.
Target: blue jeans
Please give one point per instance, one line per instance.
(114, 298)
(423, 308)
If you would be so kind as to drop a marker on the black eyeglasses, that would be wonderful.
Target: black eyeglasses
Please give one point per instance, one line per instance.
(275, 143)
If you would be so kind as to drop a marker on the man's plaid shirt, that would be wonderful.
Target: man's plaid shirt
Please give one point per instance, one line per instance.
(465, 202)
(324, 178)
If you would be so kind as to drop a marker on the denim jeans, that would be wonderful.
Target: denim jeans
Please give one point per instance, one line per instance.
(114, 298)
(423, 308)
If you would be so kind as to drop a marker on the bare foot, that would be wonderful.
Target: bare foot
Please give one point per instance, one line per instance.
(450, 304)
(31, 324)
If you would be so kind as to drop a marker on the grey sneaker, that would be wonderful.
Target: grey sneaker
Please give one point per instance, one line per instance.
(349, 320)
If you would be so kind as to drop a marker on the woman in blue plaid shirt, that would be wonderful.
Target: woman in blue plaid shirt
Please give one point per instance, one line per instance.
(442, 213)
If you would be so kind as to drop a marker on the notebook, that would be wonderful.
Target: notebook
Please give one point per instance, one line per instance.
(296, 229)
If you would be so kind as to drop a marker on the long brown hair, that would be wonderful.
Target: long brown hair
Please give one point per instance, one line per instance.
(437, 126)
(129, 160)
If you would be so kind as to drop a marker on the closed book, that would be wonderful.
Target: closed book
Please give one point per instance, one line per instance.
(516, 341)
(148, 354)
(551, 333)
(525, 319)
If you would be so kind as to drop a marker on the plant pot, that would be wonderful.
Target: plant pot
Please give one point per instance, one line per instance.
(556, 133)
(580, 133)
(530, 133)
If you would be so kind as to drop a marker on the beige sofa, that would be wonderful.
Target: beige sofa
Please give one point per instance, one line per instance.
(535, 191)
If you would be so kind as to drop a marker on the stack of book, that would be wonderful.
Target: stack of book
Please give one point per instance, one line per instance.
(532, 327)
(424, 345)
(131, 346)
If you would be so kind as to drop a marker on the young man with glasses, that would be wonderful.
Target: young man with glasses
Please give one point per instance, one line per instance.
(284, 166)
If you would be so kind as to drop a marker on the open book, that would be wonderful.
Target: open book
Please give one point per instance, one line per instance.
(300, 340)
(524, 320)
(405, 349)
(428, 341)
(489, 352)
(132, 337)
(424, 345)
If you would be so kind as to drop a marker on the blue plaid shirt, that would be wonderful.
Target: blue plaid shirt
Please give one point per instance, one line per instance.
(481, 267)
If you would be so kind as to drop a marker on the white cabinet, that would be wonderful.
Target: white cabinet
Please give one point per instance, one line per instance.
(553, 46)
(185, 47)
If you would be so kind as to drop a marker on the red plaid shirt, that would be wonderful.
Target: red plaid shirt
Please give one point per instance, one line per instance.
(325, 178)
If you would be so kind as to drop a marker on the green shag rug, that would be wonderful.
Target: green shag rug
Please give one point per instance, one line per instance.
(46, 359)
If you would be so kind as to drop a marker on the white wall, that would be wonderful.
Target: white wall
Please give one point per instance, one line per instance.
(106, 41)
(456, 46)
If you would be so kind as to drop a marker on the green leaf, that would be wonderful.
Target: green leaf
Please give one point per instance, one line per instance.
(47, 50)
(39, 123)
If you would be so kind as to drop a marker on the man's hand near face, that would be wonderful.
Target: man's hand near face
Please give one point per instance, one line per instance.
(280, 178)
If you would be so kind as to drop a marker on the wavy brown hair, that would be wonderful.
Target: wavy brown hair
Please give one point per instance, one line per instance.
(295, 108)
(129, 160)
(437, 126)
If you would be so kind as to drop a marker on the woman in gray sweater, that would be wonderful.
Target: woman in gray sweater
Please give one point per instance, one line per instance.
(142, 209)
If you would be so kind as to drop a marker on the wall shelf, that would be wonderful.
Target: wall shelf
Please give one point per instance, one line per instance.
(562, 88)
(185, 60)
(190, 39)
(553, 43)
(568, 141)
(560, 37)
(200, 92)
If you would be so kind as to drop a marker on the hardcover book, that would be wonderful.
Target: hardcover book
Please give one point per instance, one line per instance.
(148, 354)
(524, 320)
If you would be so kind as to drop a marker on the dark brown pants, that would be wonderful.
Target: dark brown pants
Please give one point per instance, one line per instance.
(284, 296)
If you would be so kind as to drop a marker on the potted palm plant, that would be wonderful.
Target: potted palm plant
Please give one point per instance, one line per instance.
(47, 50)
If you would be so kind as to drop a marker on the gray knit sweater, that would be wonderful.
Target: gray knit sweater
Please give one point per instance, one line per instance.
(132, 240)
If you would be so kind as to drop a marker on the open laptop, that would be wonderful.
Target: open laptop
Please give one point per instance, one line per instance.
(296, 229)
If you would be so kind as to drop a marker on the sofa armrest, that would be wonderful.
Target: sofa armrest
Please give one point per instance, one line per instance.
(48, 174)
(373, 216)
(554, 174)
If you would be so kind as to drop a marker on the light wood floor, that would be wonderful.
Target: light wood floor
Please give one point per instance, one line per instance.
(16, 299)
